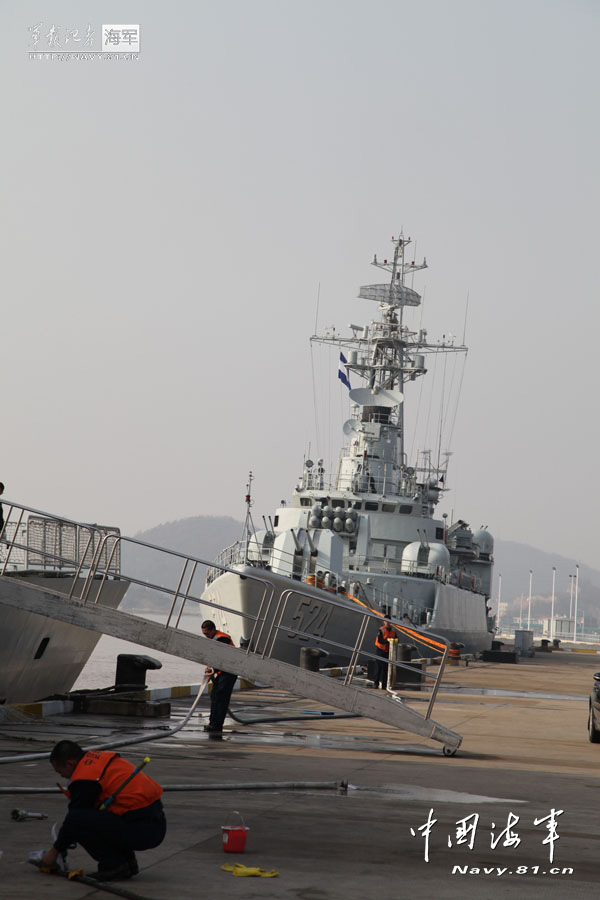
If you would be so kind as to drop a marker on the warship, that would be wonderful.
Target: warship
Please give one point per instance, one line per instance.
(39, 656)
(369, 535)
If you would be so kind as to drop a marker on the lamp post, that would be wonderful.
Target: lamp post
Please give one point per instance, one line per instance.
(529, 608)
(552, 612)
(570, 596)
(576, 592)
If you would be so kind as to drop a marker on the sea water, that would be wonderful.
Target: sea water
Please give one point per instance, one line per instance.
(99, 671)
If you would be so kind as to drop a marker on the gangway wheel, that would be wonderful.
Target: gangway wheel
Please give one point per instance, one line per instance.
(449, 751)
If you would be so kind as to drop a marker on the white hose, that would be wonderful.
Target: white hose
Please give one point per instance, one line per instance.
(123, 742)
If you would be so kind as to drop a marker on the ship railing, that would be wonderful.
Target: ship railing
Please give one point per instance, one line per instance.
(385, 481)
(31, 540)
(437, 573)
(250, 553)
(235, 554)
(297, 614)
(283, 563)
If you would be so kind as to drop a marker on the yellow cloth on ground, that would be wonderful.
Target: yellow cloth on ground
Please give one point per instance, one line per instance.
(240, 869)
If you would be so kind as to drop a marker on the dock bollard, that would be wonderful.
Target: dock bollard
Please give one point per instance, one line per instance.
(454, 654)
(310, 658)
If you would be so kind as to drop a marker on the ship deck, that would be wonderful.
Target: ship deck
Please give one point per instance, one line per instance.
(525, 752)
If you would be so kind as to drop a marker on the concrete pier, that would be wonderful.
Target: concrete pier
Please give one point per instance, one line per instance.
(525, 754)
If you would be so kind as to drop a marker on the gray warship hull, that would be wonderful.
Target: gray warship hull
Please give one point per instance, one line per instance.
(39, 656)
(309, 616)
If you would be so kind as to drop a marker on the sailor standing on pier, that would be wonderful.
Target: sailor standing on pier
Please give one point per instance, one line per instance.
(382, 642)
(222, 682)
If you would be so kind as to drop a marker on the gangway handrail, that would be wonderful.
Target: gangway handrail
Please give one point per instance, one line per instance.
(161, 589)
(97, 569)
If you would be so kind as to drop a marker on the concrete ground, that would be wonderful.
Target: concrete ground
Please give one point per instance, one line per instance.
(523, 756)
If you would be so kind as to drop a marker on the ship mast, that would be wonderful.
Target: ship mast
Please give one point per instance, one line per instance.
(386, 356)
(393, 314)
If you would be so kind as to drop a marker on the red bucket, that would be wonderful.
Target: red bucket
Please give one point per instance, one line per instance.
(234, 836)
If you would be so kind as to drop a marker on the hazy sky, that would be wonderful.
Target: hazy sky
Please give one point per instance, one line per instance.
(167, 223)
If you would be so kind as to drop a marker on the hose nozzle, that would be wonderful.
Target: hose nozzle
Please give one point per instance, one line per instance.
(19, 815)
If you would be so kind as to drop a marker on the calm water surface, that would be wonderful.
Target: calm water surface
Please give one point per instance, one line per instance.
(100, 669)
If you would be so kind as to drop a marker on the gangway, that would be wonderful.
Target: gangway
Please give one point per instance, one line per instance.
(83, 607)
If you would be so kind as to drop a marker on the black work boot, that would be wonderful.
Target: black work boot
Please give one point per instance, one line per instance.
(115, 873)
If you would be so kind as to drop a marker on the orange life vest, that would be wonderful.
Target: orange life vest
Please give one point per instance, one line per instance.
(384, 636)
(110, 770)
(223, 634)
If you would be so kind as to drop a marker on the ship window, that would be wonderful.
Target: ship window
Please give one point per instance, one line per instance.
(439, 534)
(357, 505)
(369, 505)
(388, 507)
(275, 521)
(40, 650)
(305, 501)
(405, 510)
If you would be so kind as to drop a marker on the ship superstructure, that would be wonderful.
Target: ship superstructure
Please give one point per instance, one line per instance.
(370, 532)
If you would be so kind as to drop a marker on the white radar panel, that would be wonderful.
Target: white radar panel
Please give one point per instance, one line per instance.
(395, 294)
(368, 397)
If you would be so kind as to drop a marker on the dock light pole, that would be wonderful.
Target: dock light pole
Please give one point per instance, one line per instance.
(529, 609)
(552, 613)
(570, 596)
(576, 592)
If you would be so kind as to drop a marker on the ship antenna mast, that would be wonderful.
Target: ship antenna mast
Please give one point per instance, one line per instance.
(248, 523)
(398, 276)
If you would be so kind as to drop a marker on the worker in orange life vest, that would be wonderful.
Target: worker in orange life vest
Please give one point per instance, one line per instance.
(133, 820)
(222, 683)
(382, 642)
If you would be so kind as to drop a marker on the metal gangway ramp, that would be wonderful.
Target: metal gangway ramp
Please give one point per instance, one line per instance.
(79, 602)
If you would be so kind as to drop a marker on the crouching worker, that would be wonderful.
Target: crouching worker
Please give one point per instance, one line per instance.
(132, 820)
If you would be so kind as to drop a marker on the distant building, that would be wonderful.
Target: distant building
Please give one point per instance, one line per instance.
(564, 627)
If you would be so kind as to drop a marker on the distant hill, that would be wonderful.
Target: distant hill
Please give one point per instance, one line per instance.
(200, 536)
(206, 536)
(513, 561)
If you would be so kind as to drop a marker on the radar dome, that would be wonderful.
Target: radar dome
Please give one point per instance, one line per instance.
(410, 553)
(439, 555)
(484, 541)
(432, 555)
